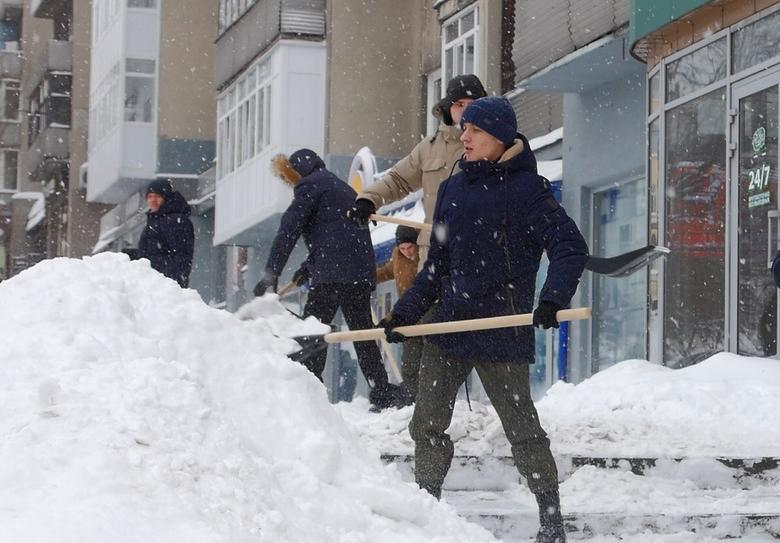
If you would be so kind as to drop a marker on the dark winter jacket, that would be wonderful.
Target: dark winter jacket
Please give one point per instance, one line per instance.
(776, 269)
(492, 222)
(168, 240)
(339, 250)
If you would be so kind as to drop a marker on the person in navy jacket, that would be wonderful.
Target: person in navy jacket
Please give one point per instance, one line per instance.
(492, 222)
(340, 267)
(168, 240)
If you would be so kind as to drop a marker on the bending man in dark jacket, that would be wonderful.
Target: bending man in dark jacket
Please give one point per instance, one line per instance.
(492, 222)
(168, 240)
(340, 266)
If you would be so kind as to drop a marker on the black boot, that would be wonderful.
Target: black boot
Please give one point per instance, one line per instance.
(550, 518)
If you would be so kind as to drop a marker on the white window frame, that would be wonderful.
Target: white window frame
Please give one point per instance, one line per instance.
(458, 44)
(244, 119)
(3, 153)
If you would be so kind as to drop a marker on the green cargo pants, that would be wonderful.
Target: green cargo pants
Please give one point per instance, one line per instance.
(508, 388)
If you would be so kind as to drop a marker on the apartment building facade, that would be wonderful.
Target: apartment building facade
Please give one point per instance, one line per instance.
(152, 116)
(10, 132)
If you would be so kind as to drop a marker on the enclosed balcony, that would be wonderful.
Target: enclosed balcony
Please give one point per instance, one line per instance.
(275, 106)
(11, 10)
(50, 9)
(48, 122)
(10, 64)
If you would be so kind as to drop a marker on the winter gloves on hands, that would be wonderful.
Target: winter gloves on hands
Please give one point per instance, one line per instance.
(267, 281)
(361, 211)
(301, 275)
(388, 323)
(544, 315)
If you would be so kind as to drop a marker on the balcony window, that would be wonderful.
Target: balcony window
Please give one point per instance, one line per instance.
(244, 127)
(10, 100)
(460, 44)
(105, 107)
(231, 10)
(139, 91)
(10, 169)
(147, 4)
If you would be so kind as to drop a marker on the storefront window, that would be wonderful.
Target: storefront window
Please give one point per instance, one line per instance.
(619, 226)
(755, 43)
(696, 70)
(694, 289)
(655, 94)
(758, 216)
(654, 325)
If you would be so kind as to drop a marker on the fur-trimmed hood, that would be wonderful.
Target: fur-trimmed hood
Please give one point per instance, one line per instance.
(300, 164)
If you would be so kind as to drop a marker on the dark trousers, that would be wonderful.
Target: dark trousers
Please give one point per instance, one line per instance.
(508, 388)
(354, 299)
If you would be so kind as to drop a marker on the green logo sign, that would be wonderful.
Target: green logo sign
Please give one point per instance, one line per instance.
(759, 141)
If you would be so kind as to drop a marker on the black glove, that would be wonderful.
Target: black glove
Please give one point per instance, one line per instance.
(301, 275)
(544, 315)
(388, 323)
(361, 211)
(132, 253)
(268, 281)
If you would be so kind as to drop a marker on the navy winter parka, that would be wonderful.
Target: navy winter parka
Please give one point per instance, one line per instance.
(491, 224)
(168, 240)
(339, 250)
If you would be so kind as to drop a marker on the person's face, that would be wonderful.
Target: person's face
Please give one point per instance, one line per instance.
(456, 109)
(479, 145)
(154, 201)
(408, 249)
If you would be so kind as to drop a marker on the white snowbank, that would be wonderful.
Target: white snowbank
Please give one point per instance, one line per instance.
(133, 412)
(724, 406)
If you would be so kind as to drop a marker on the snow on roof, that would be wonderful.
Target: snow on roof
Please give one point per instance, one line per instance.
(37, 211)
(548, 139)
(384, 231)
(176, 421)
(27, 196)
(551, 169)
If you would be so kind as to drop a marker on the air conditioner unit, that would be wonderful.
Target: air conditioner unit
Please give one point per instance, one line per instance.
(82, 183)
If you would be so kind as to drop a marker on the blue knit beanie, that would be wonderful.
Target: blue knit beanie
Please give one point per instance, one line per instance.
(162, 187)
(494, 115)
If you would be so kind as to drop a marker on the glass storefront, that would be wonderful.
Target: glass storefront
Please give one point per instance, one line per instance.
(713, 195)
(619, 226)
(757, 305)
(695, 229)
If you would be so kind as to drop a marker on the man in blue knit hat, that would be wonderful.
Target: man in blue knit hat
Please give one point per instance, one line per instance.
(492, 222)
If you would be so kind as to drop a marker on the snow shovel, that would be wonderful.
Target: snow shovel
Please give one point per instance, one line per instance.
(472, 325)
(615, 266)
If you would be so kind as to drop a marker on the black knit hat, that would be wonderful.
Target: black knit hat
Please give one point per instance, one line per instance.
(458, 88)
(406, 234)
(162, 187)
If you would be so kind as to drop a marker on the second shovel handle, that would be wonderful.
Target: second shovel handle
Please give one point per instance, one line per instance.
(471, 325)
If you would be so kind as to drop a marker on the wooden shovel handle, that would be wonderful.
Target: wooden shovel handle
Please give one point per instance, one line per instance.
(286, 288)
(394, 220)
(471, 325)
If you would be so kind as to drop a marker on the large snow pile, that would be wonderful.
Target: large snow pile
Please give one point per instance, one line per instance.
(132, 412)
(725, 406)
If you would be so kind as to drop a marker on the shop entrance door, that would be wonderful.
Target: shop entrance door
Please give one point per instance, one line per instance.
(756, 235)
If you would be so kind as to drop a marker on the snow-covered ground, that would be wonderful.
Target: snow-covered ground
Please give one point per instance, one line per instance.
(133, 412)
(725, 406)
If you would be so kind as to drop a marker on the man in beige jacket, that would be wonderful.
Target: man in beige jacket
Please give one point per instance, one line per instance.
(429, 163)
(426, 167)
